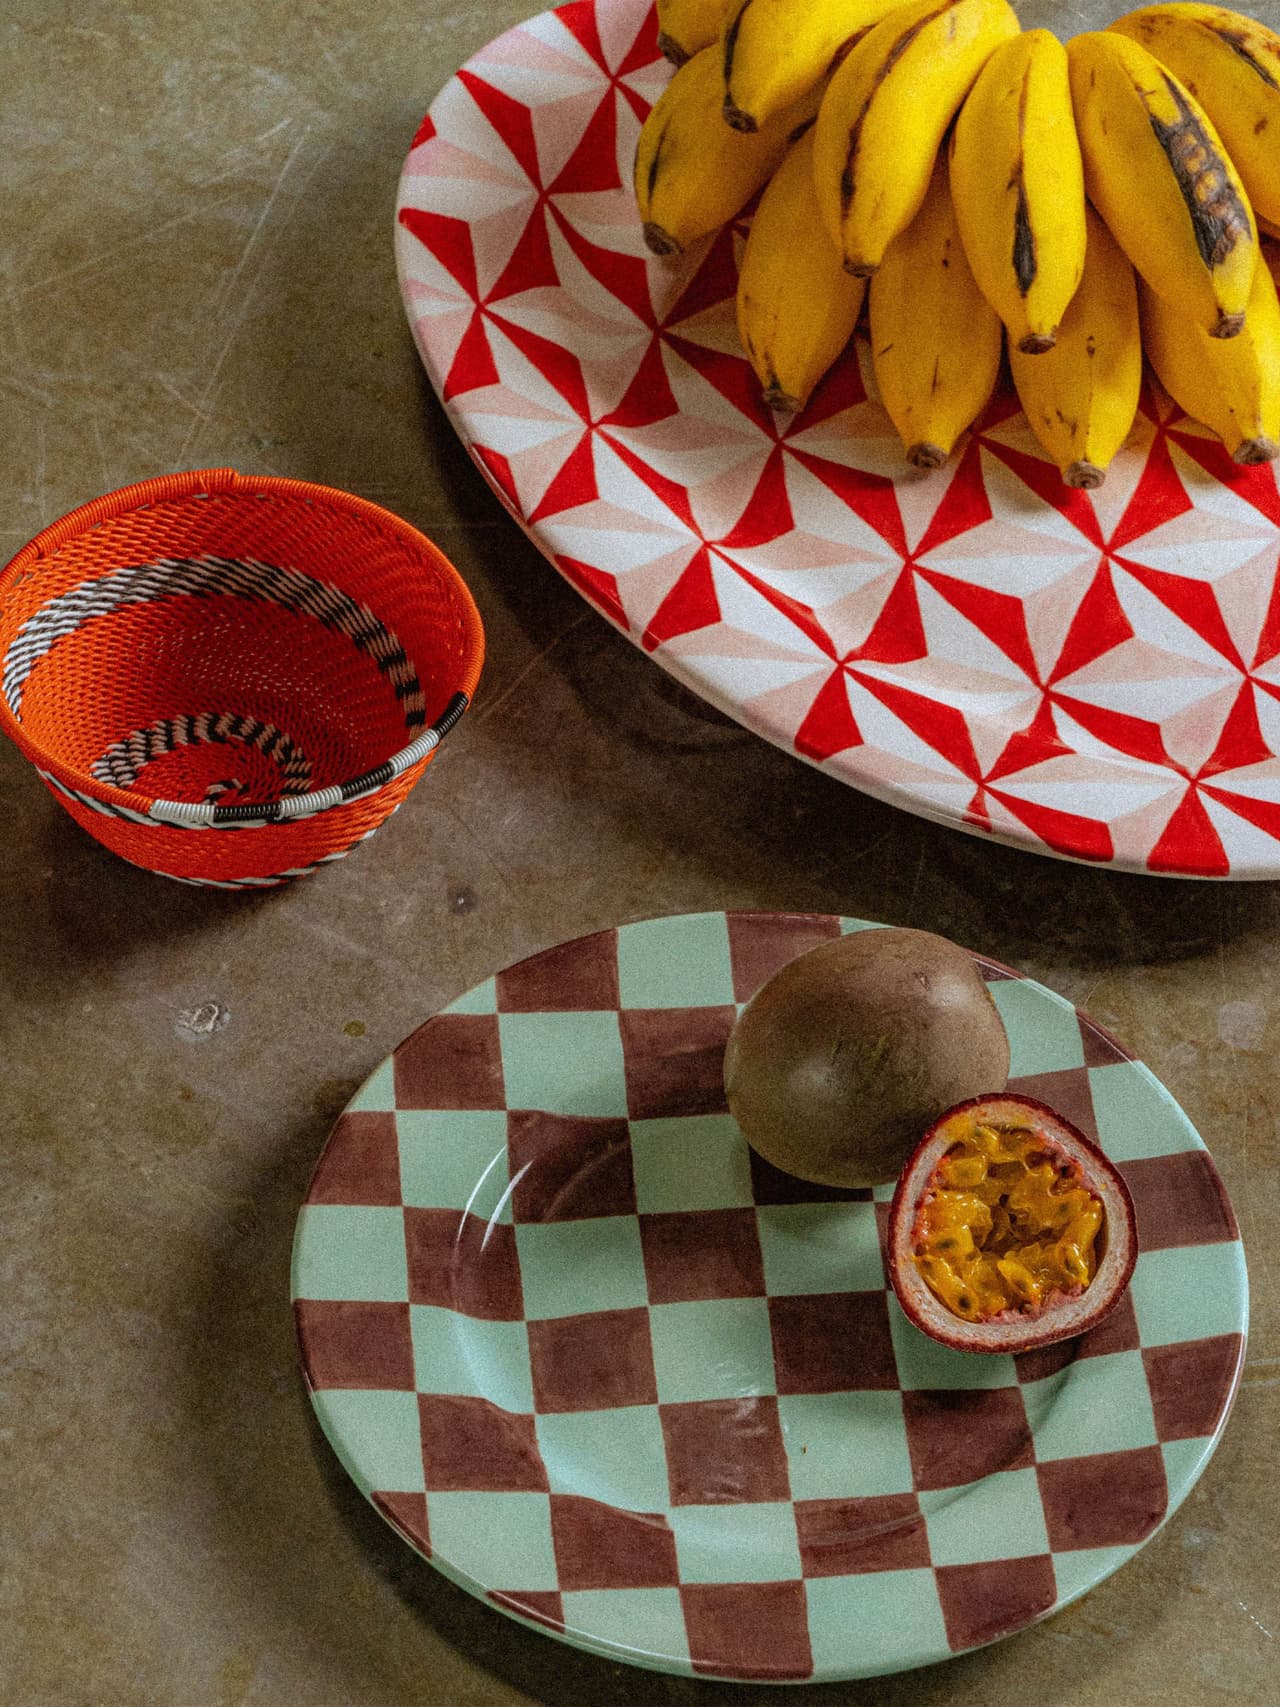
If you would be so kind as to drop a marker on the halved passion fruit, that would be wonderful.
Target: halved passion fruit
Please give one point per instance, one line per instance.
(1009, 1229)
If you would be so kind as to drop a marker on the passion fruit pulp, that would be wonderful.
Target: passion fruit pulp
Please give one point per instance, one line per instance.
(1009, 1229)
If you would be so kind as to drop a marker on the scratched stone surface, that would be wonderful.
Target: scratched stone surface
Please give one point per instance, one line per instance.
(196, 267)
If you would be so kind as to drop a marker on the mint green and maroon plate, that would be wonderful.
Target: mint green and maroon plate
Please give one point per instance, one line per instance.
(612, 1373)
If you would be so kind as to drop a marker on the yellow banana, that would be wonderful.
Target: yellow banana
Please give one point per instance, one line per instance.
(1081, 396)
(1018, 185)
(685, 27)
(1156, 170)
(797, 306)
(692, 173)
(1231, 65)
(775, 50)
(885, 112)
(1233, 387)
(935, 340)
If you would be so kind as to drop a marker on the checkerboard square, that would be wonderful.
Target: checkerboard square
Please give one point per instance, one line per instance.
(980, 1602)
(1189, 1293)
(615, 1456)
(407, 1515)
(466, 1354)
(340, 1251)
(378, 1092)
(1067, 1092)
(702, 1253)
(842, 1538)
(455, 1159)
(453, 1061)
(540, 1606)
(761, 944)
(567, 1167)
(675, 1060)
(569, 1267)
(1126, 1129)
(1044, 1036)
(1117, 1331)
(753, 1631)
(845, 1445)
(603, 1546)
(1108, 1499)
(1189, 1384)
(725, 1452)
(714, 1349)
(894, 1616)
(1084, 1568)
(639, 1621)
(830, 1342)
(1011, 1520)
(1100, 1048)
(1178, 1200)
(349, 1344)
(695, 1162)
(820, 1247)
(566, 1063)
(959, 1437)
(457, 1261)
(495, 1538)
(595, 1362)
(578, 976)
(379, 1436)
(467, 1443)
(681, 962)
(924, 1364)
(771, 1185)
(482, 999)
(360, 1163)
(736, 1543)
(1112, 1392)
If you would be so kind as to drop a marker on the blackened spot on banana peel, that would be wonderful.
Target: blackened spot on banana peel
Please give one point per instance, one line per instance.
(1024, 238)
(847, 46)
(1239, 45)
(1219, 218)
(794, 136)
(886, 65)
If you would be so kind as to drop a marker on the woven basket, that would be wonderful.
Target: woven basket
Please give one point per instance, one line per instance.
(232, 681)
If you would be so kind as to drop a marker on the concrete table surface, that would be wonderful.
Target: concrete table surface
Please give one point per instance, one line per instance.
(196, 261)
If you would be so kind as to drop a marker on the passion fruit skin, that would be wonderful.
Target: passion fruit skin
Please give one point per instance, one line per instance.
(852, 1050)
(1013, 1333)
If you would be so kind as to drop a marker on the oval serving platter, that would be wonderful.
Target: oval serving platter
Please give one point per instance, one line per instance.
(1090, 675)
(610, 1372)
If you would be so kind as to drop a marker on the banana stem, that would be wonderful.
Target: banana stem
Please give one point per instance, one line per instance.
(926, 456)
(1084, 476)
(660, 241)
(1257, 450)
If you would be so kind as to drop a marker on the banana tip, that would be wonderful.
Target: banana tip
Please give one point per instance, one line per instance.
(1253, 451)
(860, 269)
(671, 50)
(926, 456)
(1084, 476)
(782, 401)
(659, 241)
(736, 119)
(1229, 326)
(1036, 343)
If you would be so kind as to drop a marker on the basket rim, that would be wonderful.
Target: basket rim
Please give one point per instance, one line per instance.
(180, 814)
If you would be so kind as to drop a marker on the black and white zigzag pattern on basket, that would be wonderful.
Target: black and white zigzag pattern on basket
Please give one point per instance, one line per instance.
(208, 577)
(124, 760)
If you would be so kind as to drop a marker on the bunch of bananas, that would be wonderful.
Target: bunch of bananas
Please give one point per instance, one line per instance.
(1090, 202)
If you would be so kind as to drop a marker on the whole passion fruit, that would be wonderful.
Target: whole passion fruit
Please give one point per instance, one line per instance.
(1009, 1229)
(840, 1062)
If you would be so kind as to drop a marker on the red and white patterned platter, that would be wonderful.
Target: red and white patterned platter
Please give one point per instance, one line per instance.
(1091, 675)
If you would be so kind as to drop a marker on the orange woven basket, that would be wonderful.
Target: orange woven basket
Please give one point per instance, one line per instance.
(232, 680)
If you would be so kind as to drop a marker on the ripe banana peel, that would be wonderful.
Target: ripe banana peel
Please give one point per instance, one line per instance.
(797, 307)
(1081, 396)
(1231, 65)
(685, 27)
(935, 340)
(1156, 170)
(776, 50)
(692, 173)
(1233, 387)
(1018, 184)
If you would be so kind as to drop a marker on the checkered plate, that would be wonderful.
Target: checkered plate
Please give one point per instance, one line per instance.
(612, 1373)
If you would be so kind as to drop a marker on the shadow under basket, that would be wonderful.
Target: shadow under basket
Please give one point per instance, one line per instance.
(231, 680)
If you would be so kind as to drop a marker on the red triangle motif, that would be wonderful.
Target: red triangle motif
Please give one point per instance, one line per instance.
(558, 366)
(1158, 497)
(597, 588)
(999, 616)
(1269, 636)
(871, 496)
(768, 510)
(1034, 745)
(1064, 832)
(1044, 479)
(1098, 627)
(800, 614)
(732, 377)
(1189, 844)
(1241, 742)
(424, 133)
(579, 18)
(715, 281)
(649, 397)
(1134, 736)
(1262, 814)
(674, 495)
(897, 635)
(1256, 485)
(510, 118)
(624, 276)
(572, 485)
(1193, 602)
(964, 505)
(644, 49)
(829, 726)
(691, 604)
(939, 726)
(840, 388)
(449, 240)
(530, 265)
(473, 364)
(497, 470)
(593, 165)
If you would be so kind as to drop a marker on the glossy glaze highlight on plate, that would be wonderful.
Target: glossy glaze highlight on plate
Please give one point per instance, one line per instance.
(612, 1373)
